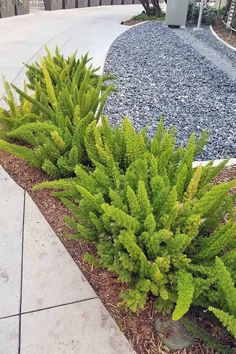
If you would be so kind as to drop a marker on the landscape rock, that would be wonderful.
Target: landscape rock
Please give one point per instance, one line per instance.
(160, 75)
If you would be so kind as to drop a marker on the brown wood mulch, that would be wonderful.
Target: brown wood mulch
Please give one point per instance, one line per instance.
(138, 327)
(131, 22)
(227, 35)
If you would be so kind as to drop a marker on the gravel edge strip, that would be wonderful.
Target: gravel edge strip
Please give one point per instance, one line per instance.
(207, 37)
(221, 40)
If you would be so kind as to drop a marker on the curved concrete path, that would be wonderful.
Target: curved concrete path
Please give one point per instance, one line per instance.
(23, 38)
(46, 304)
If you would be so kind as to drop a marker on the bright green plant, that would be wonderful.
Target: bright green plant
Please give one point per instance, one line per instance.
(66, 95)
(156, 221)
(227, 313)
(62, 71)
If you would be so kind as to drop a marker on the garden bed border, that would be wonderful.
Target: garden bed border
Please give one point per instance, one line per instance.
(221, 40)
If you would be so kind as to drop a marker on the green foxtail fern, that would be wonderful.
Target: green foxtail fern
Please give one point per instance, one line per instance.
(157, 222)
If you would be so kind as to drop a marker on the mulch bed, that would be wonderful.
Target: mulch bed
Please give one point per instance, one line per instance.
(138, 327)
(225, 34)
(133, 22)
(130, 22)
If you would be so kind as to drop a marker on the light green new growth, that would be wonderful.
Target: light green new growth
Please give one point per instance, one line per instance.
(157, 222)
(66, 95)
(185, 295)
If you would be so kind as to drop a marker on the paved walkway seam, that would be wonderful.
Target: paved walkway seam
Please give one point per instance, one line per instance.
(22, 269)
(50, 307)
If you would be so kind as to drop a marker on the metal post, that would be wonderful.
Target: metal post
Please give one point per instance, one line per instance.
(219, 7)
(200, 15)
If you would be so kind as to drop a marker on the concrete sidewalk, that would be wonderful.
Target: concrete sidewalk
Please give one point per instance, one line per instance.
(46, 304)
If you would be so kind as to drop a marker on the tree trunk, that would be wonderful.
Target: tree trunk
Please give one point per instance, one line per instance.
(156, 6)
(146, 6)
(149, 9)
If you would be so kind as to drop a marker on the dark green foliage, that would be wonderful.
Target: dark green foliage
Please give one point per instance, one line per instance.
(225, 285)
(156, 221)
(207, 338)
(209, 16)
(66, 95)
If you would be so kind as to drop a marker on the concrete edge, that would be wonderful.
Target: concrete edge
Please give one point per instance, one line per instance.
(231, 162)
(221, 40)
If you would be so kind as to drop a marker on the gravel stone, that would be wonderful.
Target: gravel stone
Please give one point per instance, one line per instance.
(223, 62)
(160, 75)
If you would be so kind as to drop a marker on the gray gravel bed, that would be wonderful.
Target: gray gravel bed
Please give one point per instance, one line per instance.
(160, 75)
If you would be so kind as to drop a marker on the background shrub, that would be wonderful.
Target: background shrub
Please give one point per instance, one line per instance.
(209, 15)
